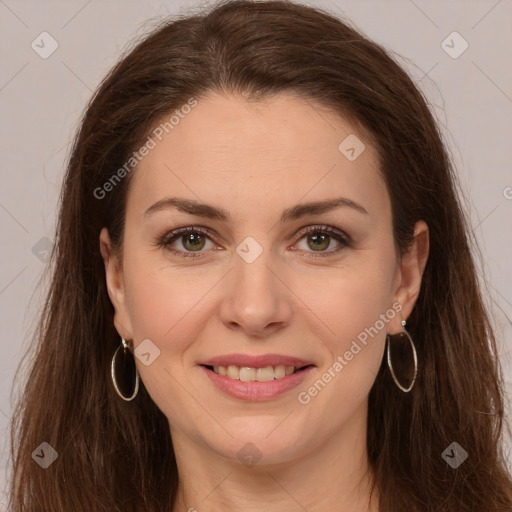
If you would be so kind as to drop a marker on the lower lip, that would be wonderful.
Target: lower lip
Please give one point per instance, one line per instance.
(254, 390)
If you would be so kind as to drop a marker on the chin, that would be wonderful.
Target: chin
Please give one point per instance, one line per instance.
(263, 447)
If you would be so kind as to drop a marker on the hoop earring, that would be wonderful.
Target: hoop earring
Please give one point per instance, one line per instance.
(400, 335)
(123, 366)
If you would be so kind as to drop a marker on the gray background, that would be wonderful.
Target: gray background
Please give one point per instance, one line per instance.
(41, 101)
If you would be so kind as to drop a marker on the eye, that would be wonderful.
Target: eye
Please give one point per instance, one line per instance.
(320, 237)
(194, 239)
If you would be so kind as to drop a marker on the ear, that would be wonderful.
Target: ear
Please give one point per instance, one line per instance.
(115, 286)
(410, 275)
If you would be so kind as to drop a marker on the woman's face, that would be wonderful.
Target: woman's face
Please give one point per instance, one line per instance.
(253, 289)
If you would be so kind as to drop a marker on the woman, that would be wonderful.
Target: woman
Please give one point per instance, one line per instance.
(263, 293)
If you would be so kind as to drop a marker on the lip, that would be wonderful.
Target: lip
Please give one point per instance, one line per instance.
(255, 391)
(260, 361)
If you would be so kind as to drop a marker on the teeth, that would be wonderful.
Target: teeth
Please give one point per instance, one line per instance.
(265, 374)
(248, 374)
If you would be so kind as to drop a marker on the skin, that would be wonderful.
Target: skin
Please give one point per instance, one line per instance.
(255, 160)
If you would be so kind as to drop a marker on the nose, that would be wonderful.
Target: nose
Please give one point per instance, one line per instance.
(257, 300)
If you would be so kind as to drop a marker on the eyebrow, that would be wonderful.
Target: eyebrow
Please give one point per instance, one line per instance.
(211, 212)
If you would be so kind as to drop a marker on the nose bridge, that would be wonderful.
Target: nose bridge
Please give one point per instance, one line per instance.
(252, 272)
(256, 297)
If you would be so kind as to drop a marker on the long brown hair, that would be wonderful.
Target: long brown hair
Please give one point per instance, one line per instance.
(118, 456)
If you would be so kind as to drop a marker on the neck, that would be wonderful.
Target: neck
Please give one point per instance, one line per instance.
(332, 476)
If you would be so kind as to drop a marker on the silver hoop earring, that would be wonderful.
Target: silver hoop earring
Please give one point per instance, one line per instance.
(125, 375)
(399, 337)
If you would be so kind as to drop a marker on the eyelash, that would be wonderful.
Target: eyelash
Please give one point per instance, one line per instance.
(166, 240)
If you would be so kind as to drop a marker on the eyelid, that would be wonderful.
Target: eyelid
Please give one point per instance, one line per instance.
(324, 229)
(169, 236)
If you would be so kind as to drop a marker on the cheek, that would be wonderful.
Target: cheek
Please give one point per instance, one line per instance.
(341, 386)
(351, 308)
(170, 306)
(346, 300)
(163, 298)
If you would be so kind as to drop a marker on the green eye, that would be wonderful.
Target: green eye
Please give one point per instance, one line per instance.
(194, 240)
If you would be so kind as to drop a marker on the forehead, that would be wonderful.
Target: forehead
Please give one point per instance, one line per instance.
(277, 150)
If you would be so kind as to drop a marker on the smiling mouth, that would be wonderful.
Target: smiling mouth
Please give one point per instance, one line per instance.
(251, 374)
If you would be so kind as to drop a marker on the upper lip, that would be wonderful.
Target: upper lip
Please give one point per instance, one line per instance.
(260, 361)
